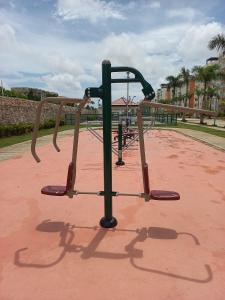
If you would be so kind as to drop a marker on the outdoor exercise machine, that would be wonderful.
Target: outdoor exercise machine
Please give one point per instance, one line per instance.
(104, 92)
(122, 137)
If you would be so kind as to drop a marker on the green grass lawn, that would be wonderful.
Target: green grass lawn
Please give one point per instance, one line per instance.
(8, 141)
(202, 128)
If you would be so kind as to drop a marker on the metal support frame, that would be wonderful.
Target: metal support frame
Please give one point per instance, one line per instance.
(100, 138)
(108, 220)
(120, 161)
(104, 92)
(137, 136)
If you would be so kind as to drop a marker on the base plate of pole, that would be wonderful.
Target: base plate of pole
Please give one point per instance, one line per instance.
(120, 163)
(108, 223)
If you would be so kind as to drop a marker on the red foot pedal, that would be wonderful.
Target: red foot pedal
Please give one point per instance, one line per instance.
(57, 190)
(54, 190)
(164, 195)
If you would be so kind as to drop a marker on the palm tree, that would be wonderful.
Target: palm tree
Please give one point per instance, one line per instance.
(205, 75)
(198, 93)
(211, 92)
(173, 82)
(185, 75)
(218, 43)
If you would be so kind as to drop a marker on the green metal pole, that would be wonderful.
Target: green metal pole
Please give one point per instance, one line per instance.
(108, 221)
(120, 161)
(104, 92)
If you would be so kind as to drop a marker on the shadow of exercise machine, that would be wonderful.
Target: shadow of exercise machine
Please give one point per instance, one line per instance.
(67, 232)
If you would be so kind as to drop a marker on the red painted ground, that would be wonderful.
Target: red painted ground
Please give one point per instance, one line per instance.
(159, 250)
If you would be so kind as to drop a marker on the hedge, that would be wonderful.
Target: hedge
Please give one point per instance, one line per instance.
(19, 129)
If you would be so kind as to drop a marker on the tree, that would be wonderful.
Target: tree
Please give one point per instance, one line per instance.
(13, 94)
(90, 106)
(211, 93)
(176, 100)
(198, 93)
(185, 75)
(218, 43)
(173, 82)
(50, 94)
(187, 97)
(32, 95)
(205, 75)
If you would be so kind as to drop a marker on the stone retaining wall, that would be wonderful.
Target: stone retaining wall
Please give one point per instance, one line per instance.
(16, 110)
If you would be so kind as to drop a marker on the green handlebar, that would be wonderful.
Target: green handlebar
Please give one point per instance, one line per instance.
(146, 87)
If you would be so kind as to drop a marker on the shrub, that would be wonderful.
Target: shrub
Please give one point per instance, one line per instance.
(15, 129)
(21, 128)
(47, 124)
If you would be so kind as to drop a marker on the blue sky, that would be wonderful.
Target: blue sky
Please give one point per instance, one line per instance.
(59, 45)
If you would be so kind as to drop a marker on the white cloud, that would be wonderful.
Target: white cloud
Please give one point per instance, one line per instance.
(12, 4)
(91, 10)
(64, 83)
(193, 46)
(64, 64)
(187, 13)
(155, 4)
(7, 35)
(73, 64)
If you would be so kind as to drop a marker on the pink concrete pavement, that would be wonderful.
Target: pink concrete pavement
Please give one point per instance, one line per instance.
(53, 249)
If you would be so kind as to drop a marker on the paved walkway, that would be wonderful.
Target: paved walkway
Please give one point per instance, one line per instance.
(52, 248)
(18, 149)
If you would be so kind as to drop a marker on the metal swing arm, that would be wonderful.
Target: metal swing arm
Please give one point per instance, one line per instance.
(71, 182)
(56, 100)
(148, 194)
(144, 165)
(158, 194)
(178, 108)
(56, 129)
(71, 176)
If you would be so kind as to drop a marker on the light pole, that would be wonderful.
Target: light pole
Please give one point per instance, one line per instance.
(132, 102)
(128, 73)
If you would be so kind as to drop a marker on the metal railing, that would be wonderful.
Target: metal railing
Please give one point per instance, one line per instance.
(96, 119)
